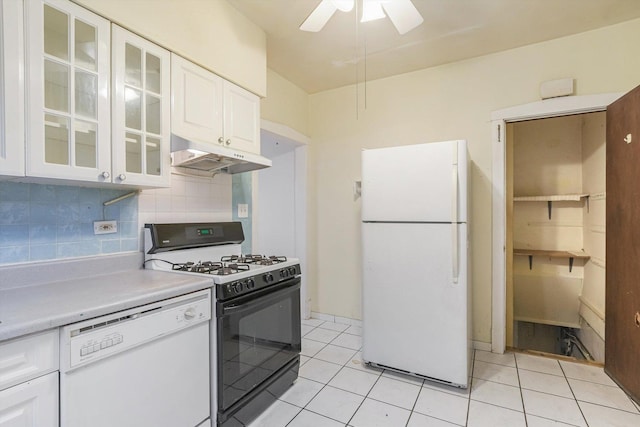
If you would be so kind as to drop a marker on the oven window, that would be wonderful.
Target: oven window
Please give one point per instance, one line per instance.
(254, 342)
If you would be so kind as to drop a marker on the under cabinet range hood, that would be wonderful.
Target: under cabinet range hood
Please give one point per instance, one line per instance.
(213, 158)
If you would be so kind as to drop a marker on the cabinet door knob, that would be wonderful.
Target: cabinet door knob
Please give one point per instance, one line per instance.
(228, 142)
(221, 140)
(105, 175)
(122, 177)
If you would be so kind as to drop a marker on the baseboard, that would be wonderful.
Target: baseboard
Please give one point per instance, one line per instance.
(484, 346)
(336, 319)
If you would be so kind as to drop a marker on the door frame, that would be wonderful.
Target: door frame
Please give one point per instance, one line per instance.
(554, 107)
(300, 203)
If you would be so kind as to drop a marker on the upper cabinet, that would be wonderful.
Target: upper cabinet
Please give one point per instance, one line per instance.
(141, 110)
(68, 115)
(12, 89)
(241, 118)
(209, 109)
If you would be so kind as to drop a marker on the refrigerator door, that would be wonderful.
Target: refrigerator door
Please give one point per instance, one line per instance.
(415, 315)
(415, 183)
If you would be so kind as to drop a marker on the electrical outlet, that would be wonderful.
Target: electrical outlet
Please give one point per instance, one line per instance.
(105, 227)
(243, 210)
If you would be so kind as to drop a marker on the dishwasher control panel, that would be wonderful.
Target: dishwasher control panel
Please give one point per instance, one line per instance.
(91, 340)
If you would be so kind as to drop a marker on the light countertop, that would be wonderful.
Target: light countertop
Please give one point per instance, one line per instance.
(32, 308)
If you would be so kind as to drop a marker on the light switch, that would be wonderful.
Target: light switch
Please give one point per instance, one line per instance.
(243, 210)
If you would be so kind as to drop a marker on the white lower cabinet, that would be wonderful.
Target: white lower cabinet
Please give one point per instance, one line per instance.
(29, 380)
(31, 404)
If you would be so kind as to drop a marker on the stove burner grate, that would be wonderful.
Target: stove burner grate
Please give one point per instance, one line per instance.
(210, 267)
(254, 259)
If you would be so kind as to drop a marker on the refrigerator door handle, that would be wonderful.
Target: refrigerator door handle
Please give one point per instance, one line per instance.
(454, 221)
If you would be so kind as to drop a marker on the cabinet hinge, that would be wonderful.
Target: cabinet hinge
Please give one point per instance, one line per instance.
(499, 126)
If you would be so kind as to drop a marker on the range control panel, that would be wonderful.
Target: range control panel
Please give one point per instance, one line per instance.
(244, 286)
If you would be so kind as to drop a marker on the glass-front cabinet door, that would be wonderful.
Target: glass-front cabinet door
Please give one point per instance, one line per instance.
(68, 68)
(11, 89)
(141, 110)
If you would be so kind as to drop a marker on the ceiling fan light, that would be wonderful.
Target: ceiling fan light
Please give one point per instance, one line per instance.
(371, 10)
(343, 5)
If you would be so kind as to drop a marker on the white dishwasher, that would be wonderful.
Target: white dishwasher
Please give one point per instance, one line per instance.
(147, 366)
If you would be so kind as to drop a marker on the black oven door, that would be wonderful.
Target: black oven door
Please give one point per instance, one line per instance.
(258, 336)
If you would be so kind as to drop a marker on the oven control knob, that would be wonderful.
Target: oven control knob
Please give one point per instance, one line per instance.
(292, 271)
(251, 284)
(268, 277)
(237, 287)
(284, 273)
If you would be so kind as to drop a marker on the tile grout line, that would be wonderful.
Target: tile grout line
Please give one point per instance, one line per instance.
(473, 366)
(524, 408)
(573, 394)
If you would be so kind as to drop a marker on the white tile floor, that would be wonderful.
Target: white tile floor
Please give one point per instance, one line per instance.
(335, 389)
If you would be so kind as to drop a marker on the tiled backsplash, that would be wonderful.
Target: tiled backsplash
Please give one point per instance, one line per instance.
(44, 222)
(242, 191)
(40, 222)
(189, 199)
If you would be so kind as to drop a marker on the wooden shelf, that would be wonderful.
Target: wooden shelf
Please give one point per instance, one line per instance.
(553, 198)
(570, 255)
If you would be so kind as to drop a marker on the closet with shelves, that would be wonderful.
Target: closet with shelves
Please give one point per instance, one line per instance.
(557, 232)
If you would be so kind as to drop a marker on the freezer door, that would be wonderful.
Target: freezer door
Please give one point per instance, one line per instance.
(423, 183)
(414, 312)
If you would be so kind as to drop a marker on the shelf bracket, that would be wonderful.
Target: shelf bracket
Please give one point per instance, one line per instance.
(587, 204)
(570, 264)
(549, 208)
(530, 262)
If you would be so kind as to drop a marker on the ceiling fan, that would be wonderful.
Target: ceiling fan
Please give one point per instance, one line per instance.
(402, 13)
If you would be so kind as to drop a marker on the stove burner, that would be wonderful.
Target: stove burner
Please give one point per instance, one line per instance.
(210, 267)
(254, 259)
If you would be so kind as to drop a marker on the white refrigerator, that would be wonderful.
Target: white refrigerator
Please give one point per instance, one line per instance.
(416, 298)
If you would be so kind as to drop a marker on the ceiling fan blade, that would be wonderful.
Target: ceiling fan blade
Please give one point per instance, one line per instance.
(403, 14)
(343, 5)
(319, 17)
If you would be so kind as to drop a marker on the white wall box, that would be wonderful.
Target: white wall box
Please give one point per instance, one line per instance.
(141, 111)
(207, 108)
(12, 84)
(68, 114)
(29, 380)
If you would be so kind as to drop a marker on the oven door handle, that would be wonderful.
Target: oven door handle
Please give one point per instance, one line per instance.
(256, 299)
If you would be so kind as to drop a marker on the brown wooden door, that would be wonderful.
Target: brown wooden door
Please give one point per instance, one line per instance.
(622, 327)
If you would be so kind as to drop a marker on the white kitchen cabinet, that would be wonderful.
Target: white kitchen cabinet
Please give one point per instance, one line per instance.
(207, 108)
(31, 404)
(141, 110)
(241, 118)
(29, 380)
(12, 93)
(68, 69)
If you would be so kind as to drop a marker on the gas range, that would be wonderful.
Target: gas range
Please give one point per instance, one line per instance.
(214, 249)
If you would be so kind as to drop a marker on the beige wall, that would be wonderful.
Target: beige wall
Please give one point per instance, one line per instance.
(447, 102)
(209, 32)
(285, 103)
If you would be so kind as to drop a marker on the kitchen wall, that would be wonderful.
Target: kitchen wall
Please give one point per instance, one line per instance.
(441, 103)
(285, 103)
(43, 222)
(208, 32)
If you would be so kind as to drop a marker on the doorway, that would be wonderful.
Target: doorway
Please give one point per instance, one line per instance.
(280, 217)
(556, 227)
(500, 251)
